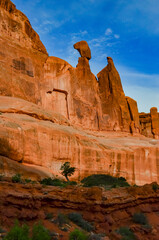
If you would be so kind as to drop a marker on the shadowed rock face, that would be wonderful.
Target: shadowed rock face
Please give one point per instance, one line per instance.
(47, 107)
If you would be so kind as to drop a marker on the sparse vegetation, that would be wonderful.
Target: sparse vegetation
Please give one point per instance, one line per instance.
(17, 232)
(104, 180)
(56, 182)
(126, 233)
(67, 170)
(77, 235)
(17, 178)
(1, 177)
(39, 232)
(140, 218)
(78, 219)
(155, 187)
(61, 219)
(49, 216)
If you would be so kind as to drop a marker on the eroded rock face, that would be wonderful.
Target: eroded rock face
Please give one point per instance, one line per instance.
(149, 123)
(72, 92)
(83, 49)
(31, 135)
(113, 99)
(22, 55)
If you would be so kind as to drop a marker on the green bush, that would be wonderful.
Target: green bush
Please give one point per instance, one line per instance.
(18, 233)
(155, 186)
(140, 218)
(56, 182)
(105, 181)
(78, 219)
(49, 216)
(61, 219)
(17, 178)
(1, 177)
(77, 235)
(126, 233)
(28, 180)
(39, 232)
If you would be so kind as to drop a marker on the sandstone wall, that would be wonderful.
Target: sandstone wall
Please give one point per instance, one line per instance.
(22, 55)
(33, 136)
(149, 123)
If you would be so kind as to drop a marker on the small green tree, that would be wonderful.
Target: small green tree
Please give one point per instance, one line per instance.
(67, 170)
(77, 235)
(18, 232)
(39, 232)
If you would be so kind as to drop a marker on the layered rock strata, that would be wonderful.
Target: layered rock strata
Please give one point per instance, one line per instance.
(107, 210)
(31, 135)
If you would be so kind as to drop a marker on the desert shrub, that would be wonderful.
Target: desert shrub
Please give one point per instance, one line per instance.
(18, 233)
(77, 235)
(140, 218)
(126, 233)
(49, 216)
(78, 219)
(155, 187)
(17, 178)
(27, 180)
(39, 232)
(56, 182)
(61, 219)
(1, 177)
(2, 230)
(51, 182)
(104, 180)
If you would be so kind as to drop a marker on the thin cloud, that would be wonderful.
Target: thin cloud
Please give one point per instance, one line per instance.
(117, 36)
(108, 31)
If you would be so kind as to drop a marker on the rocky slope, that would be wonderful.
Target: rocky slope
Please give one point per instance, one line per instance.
(107, 210)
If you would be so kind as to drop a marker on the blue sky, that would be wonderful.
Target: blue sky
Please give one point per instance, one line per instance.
(127, 31)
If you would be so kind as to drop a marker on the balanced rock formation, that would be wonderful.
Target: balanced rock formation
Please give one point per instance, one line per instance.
(83, 49)
(51, 112)
(149, 123)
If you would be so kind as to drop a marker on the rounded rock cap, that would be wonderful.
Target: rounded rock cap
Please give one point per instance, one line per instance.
(83, 49)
